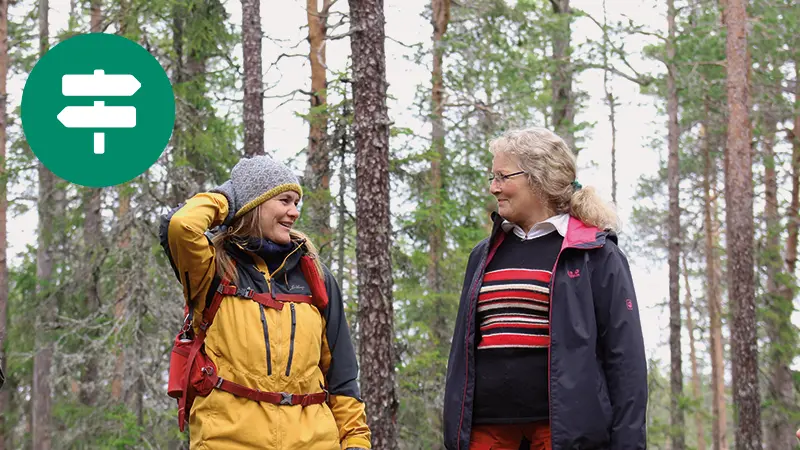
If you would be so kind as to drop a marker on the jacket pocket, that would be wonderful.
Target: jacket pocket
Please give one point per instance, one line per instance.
(266, 339)
(291, 340)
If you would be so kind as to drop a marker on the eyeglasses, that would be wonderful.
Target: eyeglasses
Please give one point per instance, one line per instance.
(503, 178)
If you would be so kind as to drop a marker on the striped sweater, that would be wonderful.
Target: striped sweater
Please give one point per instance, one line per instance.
(513, 307)
(514, 331)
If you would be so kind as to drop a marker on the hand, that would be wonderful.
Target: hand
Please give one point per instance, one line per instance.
(227, 190)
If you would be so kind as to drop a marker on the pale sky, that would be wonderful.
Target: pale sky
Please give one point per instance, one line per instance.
(638, 121)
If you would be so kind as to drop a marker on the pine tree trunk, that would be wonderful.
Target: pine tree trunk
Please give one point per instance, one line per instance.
(253, 85)
(43, 359)
(92, 237)
(4, 394)
(122, 291)
(440, 19)
(794, 204)
(696, 391)
(371, 125)
(318, 164)
(782, 381)
(612, 105)
(563, 101)
(677, 426)
(739, 218)
(719, 425)
(123, 247)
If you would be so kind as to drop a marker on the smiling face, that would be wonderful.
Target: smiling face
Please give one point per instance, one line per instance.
(277, 216)
(516, 201)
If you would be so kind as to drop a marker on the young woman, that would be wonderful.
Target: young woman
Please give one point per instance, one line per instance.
(277, 368)
(548, 349)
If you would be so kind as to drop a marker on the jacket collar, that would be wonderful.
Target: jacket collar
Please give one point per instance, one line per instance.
(577, 235)
(556, 223)
(242, 255)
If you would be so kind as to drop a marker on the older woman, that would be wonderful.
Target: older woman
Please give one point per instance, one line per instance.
(548, 349)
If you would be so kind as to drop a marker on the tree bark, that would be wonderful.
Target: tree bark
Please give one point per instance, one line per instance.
(696, 391)
(253, 84)
(719, 425)
(371, 126)
(318, 163)
(677, 426)
(4, 60)
(43, 359)
(439, 19)
(739, 218)
(563, 101)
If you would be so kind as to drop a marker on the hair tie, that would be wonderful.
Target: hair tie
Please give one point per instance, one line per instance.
(576, 186)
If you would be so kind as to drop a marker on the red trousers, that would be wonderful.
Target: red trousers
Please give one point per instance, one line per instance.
(509, 437)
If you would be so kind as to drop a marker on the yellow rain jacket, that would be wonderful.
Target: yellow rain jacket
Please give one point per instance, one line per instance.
(299, 349)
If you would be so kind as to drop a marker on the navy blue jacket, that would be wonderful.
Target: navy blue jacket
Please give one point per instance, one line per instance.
(598, 368)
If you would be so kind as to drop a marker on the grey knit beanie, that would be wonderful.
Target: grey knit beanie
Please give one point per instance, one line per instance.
(258, 179)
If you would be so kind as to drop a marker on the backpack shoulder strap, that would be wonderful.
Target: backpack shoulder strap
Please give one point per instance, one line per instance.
(315, 281)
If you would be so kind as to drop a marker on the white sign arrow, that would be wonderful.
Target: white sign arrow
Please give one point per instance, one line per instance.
(98, 116)
(99, 84)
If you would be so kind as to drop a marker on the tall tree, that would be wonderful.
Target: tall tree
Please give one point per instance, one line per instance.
(739, 220)
(612, 104)
(719, 424)
(317, 179)
(690, 326)
(780, 391)
(782, 376)
(43, 359)
(123, 245)
(92, 241)
(674, 237)
(4, 63)
(371, 128)
(439, 19)
(253, 84)
(563, 97)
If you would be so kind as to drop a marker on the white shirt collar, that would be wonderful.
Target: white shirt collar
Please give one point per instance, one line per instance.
(557, 223)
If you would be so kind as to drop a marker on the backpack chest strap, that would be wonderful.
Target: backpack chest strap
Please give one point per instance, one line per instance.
(274, 301)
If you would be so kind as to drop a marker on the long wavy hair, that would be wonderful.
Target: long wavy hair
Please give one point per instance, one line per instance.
(249, 225)
(551, 168)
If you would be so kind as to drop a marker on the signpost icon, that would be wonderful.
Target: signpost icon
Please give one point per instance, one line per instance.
(98, 110)
(99, 115)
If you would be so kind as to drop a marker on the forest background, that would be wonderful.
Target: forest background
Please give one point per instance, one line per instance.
(642, 90)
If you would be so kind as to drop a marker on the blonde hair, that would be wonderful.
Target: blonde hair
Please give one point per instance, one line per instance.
(551, 170)
(249, 225)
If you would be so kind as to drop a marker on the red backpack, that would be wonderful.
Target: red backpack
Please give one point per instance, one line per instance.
(191, 371)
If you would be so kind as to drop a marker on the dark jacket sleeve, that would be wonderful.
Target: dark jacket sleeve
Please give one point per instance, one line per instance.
(456, 380)
(338, 364)
(622, 345)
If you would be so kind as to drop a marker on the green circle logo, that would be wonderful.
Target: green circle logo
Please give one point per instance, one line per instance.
(98, 110)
